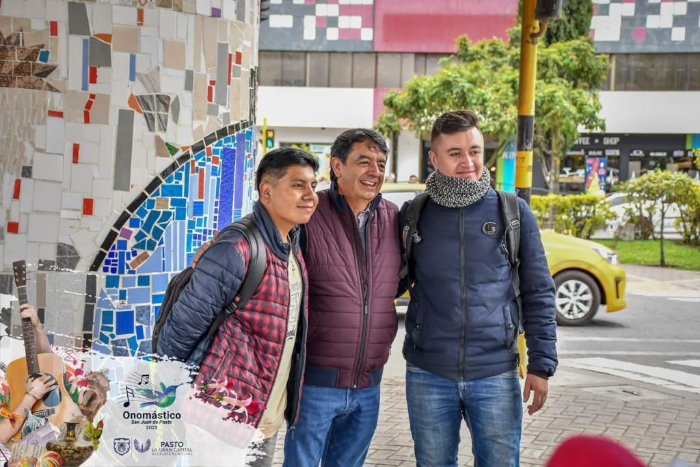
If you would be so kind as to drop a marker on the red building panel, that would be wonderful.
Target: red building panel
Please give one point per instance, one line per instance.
(431, 26)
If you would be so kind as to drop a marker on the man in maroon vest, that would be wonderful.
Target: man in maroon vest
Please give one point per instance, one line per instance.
(352, 253)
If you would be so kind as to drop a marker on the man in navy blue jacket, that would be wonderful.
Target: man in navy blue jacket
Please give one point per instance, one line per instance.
(463, 321)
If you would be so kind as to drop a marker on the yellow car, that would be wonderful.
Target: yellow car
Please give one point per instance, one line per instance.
(585, 273)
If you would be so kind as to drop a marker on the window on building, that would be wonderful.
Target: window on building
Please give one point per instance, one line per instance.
(388, 70)
(408, 67)
(656, 72)
(270, 68)
(319, 66)
(293, 69)
(363, 70)
(340, 70)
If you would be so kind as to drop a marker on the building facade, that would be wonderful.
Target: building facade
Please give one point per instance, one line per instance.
(325, 66)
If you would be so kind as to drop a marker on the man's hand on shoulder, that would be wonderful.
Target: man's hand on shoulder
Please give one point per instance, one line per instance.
(200, 251)
(540, 387)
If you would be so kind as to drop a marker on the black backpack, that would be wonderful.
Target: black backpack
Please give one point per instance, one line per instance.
(510, 213)
(254, 275)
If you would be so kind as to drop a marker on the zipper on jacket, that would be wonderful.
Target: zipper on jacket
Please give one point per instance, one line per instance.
(364, 285)
(462, 291)
(294, 418)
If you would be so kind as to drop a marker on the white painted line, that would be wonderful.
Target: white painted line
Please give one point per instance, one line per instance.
(693, 300)
(628, 352)
(665, 293)
(693, 363)
(671, 379)
(626, 339)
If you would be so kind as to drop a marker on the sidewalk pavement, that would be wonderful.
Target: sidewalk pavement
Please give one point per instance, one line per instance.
(657, 423)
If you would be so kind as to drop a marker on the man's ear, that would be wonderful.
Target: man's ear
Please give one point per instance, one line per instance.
(265, 191)
(433, 159)
(335, 166)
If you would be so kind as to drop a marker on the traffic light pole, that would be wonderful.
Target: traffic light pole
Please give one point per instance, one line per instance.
(526, 101)
(264, 136)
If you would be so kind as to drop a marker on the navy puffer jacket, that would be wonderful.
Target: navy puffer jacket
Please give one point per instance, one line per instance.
(463, 322)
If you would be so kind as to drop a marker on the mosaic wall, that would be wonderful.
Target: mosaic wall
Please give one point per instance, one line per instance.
(336, 25)
(627, 26)
(125, 141)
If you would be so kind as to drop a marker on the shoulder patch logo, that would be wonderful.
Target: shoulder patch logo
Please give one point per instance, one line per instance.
(490, 228)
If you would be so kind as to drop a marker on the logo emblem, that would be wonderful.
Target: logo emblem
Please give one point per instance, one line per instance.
(122, 445)
(490, 228)
(142, 447)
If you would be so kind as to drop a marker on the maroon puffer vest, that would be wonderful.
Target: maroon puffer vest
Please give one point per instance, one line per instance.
(352, 318)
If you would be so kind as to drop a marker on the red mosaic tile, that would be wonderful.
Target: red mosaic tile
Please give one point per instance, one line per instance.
(76, 153)
(13, 227)
(87, 206)
(18, 188)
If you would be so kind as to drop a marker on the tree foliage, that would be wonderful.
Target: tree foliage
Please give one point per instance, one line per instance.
(688, 222)
(575, 22)
(655, 192)
(577, 215)
(483, 77)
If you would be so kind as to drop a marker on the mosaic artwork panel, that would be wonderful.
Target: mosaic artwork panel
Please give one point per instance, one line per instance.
(160, 238)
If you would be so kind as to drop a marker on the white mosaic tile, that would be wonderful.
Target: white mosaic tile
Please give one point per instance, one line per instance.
(47, 196)
(43, 228)
(48, 166)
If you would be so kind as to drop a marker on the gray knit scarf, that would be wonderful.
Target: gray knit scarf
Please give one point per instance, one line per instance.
(456, 192)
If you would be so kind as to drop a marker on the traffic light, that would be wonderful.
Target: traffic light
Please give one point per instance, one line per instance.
(269, 139)
(264, 10)
(548, 9)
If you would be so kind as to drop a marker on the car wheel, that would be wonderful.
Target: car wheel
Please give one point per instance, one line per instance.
(577, 298)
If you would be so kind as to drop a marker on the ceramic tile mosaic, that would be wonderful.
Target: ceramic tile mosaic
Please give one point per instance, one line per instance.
(124, 144)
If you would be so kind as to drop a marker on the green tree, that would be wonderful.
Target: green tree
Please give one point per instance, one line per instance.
(483, 76)
(575, 22)
(656, 192)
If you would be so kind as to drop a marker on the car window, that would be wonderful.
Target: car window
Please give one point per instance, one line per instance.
(399, 197)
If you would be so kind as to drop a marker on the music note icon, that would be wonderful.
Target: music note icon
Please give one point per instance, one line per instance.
(128, 391)
(143, 377)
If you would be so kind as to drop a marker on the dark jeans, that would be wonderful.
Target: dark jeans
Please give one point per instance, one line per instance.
(491, 408)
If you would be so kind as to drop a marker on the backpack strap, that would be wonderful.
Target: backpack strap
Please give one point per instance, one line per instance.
(254, 273)
(410, 236)
(510, 213)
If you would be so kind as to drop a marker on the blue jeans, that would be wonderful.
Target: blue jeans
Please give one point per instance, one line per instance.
(335, 427)
(491, 407)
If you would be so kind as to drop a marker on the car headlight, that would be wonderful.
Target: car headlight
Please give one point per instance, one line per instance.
(608, 255)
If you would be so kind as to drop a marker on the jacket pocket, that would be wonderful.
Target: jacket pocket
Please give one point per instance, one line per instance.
(223, 366)
(510, 330)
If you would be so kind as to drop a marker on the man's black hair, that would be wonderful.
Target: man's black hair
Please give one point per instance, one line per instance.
(453, 122)
(276, 162)
(343, 144)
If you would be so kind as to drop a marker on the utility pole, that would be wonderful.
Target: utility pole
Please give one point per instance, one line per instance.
(536, 14)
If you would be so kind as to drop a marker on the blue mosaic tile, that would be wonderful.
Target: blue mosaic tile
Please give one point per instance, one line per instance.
(139, 295)
(139, 333)
(144, 281)
(112, 281)
(122, 294)
(134, 222)
(146, 347)
(107, 317)
(171, 191)
(133, 344)
(143, 314)
(125, 322)
(128, 281)
(157, 298)
(119, 348)
(160, 282)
